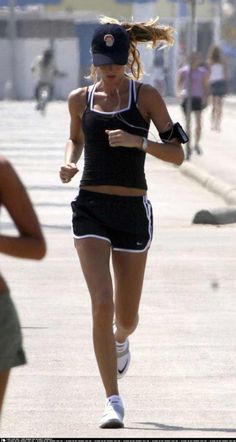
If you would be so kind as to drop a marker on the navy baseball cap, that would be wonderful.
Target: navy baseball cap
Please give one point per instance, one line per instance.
(110, 45)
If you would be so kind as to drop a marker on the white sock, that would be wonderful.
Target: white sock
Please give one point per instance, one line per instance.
(121, 346)
(114, 398)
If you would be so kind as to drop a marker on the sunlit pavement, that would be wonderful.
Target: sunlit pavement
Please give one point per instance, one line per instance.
(181, 381)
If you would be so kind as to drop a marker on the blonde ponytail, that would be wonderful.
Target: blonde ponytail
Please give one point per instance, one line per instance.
(149, 32)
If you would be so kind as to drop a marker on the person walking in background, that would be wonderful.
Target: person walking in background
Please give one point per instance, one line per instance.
(30, 244)
(217, 85)
(45, 71)
(192, 87)
(112, 215)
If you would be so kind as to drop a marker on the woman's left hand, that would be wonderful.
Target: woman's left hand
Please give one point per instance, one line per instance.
(121, 138)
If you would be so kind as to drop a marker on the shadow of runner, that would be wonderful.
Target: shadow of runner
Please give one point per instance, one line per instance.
(156, 426)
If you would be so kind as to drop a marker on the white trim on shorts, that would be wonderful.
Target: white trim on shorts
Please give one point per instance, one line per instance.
(132, 250)
(92, 236)
(89, 235)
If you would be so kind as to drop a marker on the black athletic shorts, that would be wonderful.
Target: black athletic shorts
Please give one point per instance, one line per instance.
(126, 222)
(196, 104)
(218, 88)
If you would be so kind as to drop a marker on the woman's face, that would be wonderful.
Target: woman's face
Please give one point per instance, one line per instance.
(111, 72)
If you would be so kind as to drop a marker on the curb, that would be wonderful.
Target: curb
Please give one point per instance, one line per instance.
(215, 216)
(210, 182)
(224, 190)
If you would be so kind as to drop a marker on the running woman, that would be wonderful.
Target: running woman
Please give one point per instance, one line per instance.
(112, 215)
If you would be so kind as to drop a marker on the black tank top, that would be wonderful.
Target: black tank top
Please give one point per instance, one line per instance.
(117, 166)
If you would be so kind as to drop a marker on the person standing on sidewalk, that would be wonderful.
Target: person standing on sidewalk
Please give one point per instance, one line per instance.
(193, 77)
(217, 85)
(112, 216)
(29, 244)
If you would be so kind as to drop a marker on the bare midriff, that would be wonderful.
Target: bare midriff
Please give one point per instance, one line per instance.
(115, 190)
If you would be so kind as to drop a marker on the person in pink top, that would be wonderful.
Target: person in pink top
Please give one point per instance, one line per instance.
(192, 84)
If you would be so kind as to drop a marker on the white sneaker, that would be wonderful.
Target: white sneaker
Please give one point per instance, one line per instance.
(113, 414)
(123, 358)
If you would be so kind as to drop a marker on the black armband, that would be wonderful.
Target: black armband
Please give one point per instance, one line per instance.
(175, 132)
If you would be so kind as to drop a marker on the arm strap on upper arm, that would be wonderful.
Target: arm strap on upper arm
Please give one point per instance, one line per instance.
(175, 132)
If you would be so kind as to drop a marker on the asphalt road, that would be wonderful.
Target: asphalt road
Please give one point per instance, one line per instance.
(181, 382)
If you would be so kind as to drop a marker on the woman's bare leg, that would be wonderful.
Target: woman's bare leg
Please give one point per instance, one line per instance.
(198, 127)
(129, 271)
(94, 255)
(218, 112)
(213, 112)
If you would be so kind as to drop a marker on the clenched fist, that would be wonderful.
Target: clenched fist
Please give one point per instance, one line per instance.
(67, 171)
(119, 137)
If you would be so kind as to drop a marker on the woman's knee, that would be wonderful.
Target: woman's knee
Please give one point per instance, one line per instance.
(127, 325)
(103, 310)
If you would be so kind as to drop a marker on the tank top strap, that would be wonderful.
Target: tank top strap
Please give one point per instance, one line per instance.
(89, 94)
(135, 92)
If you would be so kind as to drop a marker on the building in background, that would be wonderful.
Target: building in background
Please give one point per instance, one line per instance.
(67, 26)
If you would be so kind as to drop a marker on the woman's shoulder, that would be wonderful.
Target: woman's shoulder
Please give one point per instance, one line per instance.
(184, 68)
(77, 99)
(77, 94)
(148, 91)
(148, 96)
(145, 88)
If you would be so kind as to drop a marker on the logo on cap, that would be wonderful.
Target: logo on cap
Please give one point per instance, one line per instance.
(109, 40)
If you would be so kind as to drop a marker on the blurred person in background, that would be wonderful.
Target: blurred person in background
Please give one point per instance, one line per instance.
(29, 243)
(159, 72)
(217, 85)
(45, 71)
(193, 78)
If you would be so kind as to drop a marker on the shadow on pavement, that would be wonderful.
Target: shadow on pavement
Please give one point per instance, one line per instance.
(156, 426)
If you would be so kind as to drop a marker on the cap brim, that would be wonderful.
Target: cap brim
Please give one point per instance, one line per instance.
(101, 59)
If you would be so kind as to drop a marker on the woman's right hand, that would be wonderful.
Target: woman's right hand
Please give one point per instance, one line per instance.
(67, 171)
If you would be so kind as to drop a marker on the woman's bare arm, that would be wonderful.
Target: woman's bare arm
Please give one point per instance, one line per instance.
(13, 196)
(75, 143)
(152, 107)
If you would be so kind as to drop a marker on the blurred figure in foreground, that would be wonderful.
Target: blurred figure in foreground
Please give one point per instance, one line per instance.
(192, 87)
(217, 85)
(30, 244)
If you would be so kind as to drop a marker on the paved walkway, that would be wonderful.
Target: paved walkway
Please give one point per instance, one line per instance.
(215, 169)
(181, 382)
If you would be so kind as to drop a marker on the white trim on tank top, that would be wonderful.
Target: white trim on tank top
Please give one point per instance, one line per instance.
(91, 97)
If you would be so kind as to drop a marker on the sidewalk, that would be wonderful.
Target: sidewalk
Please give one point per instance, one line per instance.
(215, 169)
(181, 382)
